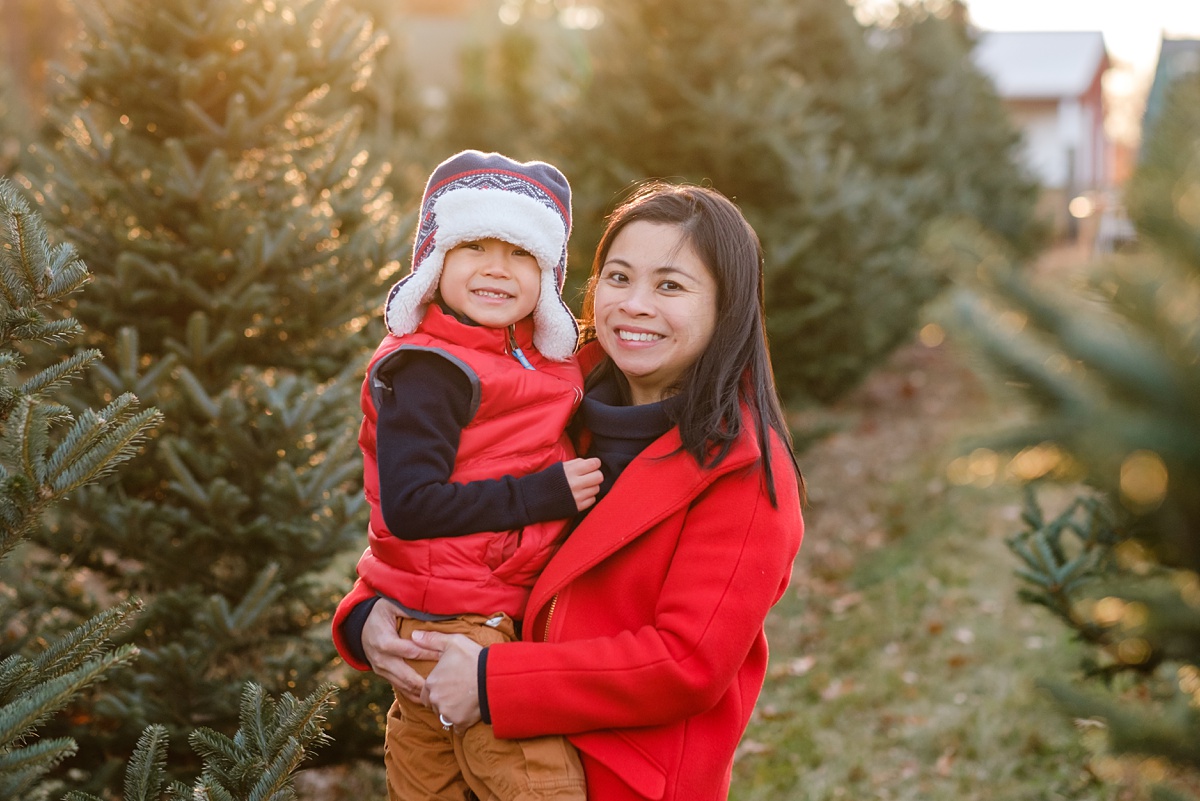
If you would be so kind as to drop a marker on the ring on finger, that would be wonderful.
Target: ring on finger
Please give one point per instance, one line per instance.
(445, 723)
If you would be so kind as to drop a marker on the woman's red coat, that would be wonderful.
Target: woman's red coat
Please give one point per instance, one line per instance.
(656, 651)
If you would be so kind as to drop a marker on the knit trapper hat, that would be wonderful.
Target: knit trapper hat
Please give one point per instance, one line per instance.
(474, 195)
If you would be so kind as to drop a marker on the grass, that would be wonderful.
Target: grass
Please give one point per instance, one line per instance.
(917, 682)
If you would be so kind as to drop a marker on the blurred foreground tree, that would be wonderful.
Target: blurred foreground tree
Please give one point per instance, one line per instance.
(1115, 378)
(212, 169)
(840, 143)
(47, 452)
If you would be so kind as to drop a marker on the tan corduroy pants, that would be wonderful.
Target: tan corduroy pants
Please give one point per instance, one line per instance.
(426, 762)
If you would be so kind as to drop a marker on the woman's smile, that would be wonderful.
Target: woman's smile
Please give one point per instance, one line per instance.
(628, 335)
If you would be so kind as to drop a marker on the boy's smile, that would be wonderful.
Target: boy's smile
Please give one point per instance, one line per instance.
(493, 282)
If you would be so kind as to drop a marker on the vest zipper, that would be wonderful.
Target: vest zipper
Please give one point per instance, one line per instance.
(549, 617)
(516, 350)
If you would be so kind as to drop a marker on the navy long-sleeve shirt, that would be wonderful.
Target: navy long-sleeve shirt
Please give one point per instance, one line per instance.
(419, 426)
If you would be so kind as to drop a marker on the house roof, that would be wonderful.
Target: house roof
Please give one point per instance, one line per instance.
(1041, 64)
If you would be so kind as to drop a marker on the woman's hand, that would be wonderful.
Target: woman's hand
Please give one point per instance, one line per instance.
(452, 689)
(386, 650)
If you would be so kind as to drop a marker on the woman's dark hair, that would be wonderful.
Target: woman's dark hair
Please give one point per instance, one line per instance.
(736, 366)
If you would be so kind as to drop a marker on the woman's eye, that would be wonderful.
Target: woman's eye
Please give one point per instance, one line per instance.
(615, 277)
(670, 286)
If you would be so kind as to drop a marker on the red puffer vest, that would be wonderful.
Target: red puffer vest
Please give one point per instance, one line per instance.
(517, 427)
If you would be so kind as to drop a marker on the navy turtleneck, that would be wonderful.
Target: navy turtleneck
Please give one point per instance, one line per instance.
(620, 432)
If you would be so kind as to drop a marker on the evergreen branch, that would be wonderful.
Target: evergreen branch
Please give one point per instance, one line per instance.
(146, 771)
(1031, 511)
(275, 782)
(19, 718)
(304, 717)
(1171, 732)
(119, 445)
(128, 354)
(22, 766)
(15, 672)
(257, 708)
(201, 116)
(1017, 359)
(258, 598)
(68, 272)
(334, 468)
(106, 377)
(18, 275)
(218, 751)
(31, 427)
(178, 791)
(208, 789)
(57, 374)
(35, 328)
(91, 426)
(18, 511)
(85, 641)
(196, 392)
(185, 483)
(1122, 361)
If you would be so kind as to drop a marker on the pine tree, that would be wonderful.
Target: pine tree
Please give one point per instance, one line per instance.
(821, 130)
(1113, 377)
(497, 106)
(955, 116)
(256, 763)
(212, 169)
(46, 452)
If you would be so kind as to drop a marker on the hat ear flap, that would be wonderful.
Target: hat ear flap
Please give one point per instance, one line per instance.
(405, 305)
(555, 332)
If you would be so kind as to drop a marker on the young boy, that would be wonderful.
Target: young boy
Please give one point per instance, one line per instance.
(468, 473)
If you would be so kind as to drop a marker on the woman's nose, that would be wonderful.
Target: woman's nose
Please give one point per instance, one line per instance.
(637, 300)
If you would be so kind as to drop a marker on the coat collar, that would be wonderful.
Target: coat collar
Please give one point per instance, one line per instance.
(660, 481)
(477, 337)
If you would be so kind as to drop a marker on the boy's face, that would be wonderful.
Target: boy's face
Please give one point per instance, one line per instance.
(495, 283)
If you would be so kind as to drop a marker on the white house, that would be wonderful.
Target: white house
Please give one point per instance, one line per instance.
(1050, 82)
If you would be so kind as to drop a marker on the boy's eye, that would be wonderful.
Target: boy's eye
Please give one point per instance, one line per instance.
(522, 252)
(471, 246)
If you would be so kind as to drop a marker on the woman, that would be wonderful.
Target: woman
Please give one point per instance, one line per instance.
(643, 638)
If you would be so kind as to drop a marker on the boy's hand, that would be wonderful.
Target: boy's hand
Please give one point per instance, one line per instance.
(585, 477)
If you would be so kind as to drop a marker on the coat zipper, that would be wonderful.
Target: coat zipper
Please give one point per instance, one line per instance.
(549, 617)
(516, 351)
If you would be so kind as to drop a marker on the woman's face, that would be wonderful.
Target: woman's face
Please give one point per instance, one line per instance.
(655, 307)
